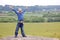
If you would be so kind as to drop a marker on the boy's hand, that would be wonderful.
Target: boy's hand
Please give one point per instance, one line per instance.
(26, 7)
(11, 7)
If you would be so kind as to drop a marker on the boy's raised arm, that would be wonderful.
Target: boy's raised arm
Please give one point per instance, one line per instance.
(25, 9)
(11, 7)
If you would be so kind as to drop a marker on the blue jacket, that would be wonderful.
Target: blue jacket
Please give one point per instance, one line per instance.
(20, 15)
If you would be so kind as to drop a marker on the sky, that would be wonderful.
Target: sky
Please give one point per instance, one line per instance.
(30, 2)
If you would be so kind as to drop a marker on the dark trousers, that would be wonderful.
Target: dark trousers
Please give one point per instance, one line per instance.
(19, 25)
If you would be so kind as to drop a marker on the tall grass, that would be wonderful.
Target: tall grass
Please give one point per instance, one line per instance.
(35, 29)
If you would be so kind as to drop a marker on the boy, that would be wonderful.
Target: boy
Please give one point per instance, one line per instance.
(20, 14)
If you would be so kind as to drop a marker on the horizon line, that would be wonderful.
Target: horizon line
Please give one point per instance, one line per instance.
(30, 5)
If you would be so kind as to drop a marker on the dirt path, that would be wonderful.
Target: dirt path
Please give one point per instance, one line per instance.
(28, 38)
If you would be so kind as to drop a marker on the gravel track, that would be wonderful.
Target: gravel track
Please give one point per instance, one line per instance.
(28, 38)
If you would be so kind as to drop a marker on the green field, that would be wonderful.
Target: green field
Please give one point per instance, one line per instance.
(35, 29)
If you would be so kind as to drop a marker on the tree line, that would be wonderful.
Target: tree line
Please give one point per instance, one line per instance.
(43, 16)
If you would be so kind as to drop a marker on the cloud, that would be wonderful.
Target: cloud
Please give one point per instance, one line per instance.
(30, 2)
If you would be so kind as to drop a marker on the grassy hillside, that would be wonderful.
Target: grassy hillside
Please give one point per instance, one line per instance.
(35, 29)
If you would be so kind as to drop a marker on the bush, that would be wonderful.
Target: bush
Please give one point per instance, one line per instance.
(34, 19)
(7, 19)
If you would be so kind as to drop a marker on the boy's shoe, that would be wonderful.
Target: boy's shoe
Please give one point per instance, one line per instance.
(24, 36)
(15, 36)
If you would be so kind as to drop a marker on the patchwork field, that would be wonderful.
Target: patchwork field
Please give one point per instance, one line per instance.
(35, 29)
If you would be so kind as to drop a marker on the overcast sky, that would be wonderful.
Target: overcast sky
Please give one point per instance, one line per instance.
(30, 2)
